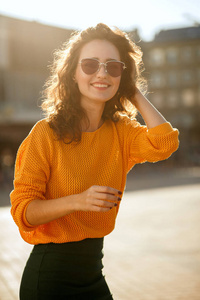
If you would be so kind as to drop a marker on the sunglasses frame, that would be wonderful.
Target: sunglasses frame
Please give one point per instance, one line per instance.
(104, 64)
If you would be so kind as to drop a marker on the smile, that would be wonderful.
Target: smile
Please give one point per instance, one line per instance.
(100, 85)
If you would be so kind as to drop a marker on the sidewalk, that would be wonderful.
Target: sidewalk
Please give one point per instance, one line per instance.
(13, 254)
(153, 253)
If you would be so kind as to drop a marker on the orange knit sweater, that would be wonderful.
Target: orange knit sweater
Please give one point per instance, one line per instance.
(47, 168)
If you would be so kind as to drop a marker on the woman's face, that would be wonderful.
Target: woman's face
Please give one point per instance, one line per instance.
(98, 87)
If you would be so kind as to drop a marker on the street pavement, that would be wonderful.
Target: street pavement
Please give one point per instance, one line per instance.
(153, 253)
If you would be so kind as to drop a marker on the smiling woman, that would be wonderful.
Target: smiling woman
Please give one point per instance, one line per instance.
(72, 82)
(71, 170)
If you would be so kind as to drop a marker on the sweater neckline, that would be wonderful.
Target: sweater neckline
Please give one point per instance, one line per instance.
(96, 131)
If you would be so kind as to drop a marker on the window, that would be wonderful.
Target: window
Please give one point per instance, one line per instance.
(186, 54)
(172, 99)
(172, 78)
(157, 57)
(157, 80)
(172, 55)
(187, 76)
(22, 89)
(188, 97)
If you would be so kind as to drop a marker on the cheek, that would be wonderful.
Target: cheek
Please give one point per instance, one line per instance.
(81, 80)
(79, 75)
(82, 84)
(117, 83)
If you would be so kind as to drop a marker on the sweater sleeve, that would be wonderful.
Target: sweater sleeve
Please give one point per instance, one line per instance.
(32, 171)
(151, 145)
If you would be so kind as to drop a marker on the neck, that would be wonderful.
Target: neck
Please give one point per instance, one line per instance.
(94, 115)
(93, 126)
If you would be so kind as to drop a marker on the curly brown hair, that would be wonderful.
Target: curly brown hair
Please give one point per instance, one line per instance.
(61, 94)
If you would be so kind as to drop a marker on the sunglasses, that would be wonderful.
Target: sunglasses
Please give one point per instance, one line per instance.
(112, 67)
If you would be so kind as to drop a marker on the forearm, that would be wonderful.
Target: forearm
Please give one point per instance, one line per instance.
(150, 114)
(40, 212)
(95, 198)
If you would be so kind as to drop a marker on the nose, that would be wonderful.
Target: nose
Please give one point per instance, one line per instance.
(102, 70)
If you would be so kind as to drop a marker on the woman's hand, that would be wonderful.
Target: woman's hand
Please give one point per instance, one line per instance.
(97, 198)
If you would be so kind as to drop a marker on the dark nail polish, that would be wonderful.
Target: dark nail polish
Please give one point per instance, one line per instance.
(119, 198)
(119, 192)
(115, 204)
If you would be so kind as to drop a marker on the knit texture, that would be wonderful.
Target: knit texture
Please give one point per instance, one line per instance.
(48, 169)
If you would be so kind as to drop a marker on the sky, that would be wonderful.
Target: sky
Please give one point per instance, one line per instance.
(148, 16)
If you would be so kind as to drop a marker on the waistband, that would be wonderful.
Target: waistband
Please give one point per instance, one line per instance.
(84, 247)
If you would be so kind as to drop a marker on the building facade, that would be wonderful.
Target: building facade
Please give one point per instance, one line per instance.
(26, 50)
(172, 63)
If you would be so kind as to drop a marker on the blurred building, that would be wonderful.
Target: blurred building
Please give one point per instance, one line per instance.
(25, 52)
(26, 49)
(172, 63)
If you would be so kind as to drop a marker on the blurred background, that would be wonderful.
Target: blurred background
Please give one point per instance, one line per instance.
(168, 33)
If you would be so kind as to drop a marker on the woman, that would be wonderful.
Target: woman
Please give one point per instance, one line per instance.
(71, 170)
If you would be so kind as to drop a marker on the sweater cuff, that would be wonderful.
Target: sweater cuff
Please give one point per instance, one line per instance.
(161, 129)
(25, 222)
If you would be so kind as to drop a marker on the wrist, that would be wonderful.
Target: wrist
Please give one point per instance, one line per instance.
(136, 98)
(71, 203)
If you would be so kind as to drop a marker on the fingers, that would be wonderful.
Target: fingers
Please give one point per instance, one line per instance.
(107, 204)
(105, 193)
(104, 197)
(98, 198)
(106, 190)
(101, 209)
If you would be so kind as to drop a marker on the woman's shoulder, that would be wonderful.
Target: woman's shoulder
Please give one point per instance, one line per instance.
(41, 129)
(41, 125)
(41, 133)
(127, 123)
(36, 141)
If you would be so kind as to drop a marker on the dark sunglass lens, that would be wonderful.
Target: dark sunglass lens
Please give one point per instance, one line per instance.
(89, 66)
(114, 68)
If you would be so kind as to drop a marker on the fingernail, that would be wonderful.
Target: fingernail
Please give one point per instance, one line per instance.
(119, 198)
(119, 192)
(115, 204)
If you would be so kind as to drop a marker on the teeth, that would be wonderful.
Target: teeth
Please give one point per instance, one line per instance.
(100, 85)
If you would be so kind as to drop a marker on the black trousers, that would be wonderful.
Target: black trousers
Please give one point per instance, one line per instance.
(69, 271)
